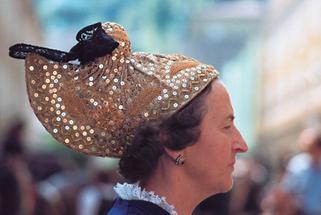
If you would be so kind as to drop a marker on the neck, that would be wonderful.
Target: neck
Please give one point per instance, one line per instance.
(170, 181)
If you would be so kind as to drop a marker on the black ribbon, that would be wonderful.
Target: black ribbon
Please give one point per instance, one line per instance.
(93, 42)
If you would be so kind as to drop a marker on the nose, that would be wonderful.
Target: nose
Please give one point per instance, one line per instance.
(239, 143)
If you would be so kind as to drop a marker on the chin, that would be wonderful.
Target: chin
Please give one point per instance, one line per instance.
(226, 185)
(223, 187)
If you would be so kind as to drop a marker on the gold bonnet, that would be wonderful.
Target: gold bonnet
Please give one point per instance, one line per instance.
(95, 107)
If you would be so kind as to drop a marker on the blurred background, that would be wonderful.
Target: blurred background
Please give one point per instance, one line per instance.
(269, 56)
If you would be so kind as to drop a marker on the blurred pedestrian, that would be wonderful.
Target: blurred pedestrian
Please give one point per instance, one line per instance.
(15, 172)
(303, 176)
(98, 196)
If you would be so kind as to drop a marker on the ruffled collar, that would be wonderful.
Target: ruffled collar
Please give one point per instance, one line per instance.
(135, 192)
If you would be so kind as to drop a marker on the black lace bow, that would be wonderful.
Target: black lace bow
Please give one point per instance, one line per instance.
(93, 42)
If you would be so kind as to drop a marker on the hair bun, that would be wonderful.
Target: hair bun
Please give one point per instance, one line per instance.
(141, 157)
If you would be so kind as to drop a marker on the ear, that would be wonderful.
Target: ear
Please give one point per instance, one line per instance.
(174, 154)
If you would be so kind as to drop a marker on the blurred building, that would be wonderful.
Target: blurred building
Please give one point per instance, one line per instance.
(268, 53)
(226, 35)
(291, 78)
(17, 24)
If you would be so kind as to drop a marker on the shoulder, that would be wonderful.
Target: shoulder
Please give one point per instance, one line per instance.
(135, 207)
(299, 163)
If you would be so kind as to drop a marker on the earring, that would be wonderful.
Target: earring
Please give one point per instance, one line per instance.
(179, 160)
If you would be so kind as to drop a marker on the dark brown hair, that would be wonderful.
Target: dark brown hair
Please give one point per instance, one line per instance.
(175, 132)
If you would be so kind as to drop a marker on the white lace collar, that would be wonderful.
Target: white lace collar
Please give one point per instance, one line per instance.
(134, 192)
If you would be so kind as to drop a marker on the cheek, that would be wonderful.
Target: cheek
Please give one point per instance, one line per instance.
(215, 139)
(209, 159)
(218, 150)
(212, 149)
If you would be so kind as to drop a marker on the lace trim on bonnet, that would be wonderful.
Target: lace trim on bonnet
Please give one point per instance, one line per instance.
(134, 192)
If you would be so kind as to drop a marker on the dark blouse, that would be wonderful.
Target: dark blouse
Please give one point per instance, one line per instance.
(135, 207)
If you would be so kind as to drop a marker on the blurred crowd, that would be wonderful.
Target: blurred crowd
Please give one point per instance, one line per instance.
(46, 183)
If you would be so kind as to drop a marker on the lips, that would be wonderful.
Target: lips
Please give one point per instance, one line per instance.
(232, 164)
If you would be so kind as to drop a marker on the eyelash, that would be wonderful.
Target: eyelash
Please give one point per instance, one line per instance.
(227, 127)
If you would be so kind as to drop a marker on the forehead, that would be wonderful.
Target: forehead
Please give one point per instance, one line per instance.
(218, 101)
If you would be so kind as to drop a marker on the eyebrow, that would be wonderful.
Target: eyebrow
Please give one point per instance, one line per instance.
(230, 117)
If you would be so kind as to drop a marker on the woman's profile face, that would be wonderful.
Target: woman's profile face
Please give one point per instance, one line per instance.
(210, 161)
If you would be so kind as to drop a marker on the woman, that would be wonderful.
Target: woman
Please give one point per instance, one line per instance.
(167, 117)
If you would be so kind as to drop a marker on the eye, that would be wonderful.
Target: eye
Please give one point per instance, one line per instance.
(227, 127)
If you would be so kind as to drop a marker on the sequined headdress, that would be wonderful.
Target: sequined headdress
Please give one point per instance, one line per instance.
(95, 107)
